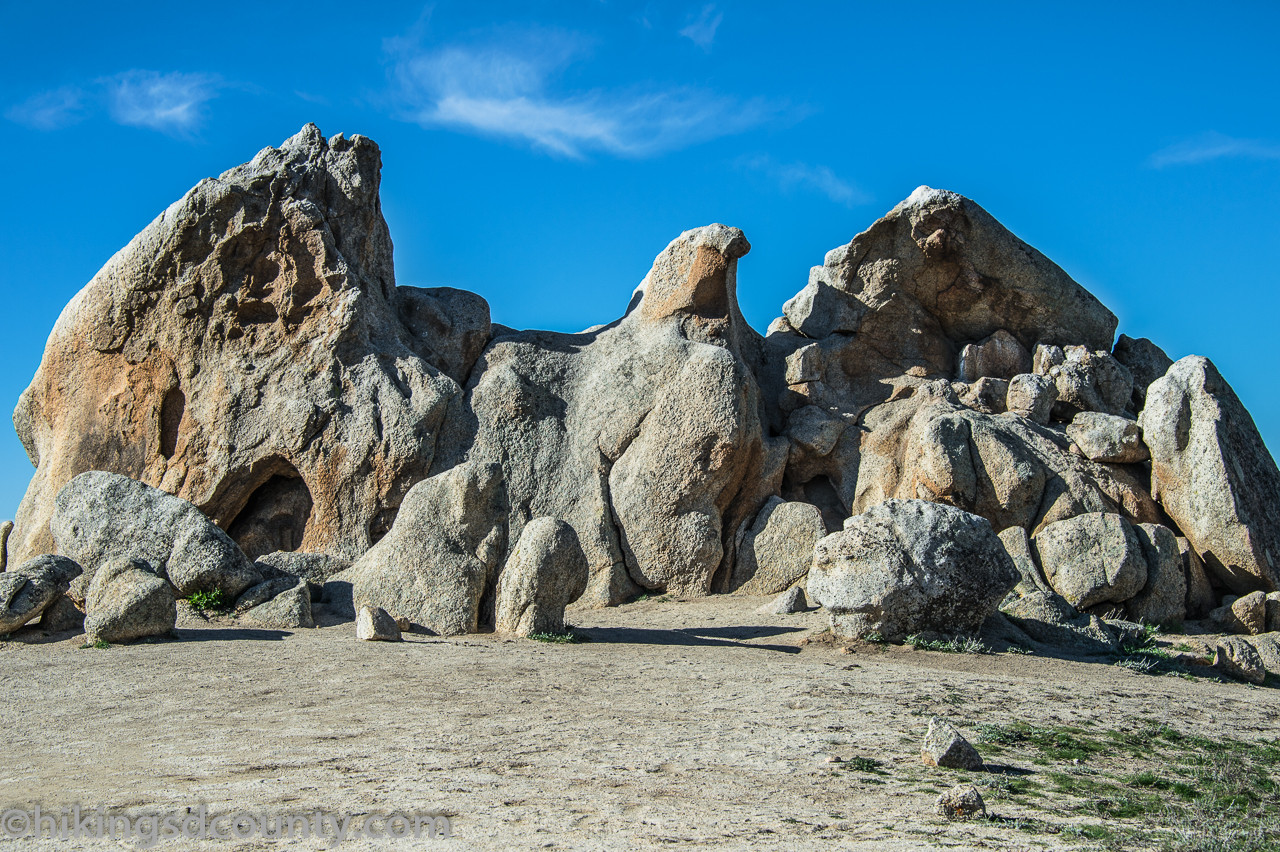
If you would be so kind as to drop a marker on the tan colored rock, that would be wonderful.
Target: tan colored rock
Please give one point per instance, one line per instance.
(250, 353)
(127, 600)
(6, 528)
(1145, 361)
(1087, 380)
(1031, 396)
(1273, 612)
(1250, 613)
(1018, 545)
(1004, 468)
(986, 395)
(375, 625)
(1213, 474)
(960, 803)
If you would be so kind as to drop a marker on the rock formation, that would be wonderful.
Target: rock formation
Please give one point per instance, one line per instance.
(251, 353)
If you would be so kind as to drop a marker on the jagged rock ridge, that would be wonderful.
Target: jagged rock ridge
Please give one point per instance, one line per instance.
(251, 353)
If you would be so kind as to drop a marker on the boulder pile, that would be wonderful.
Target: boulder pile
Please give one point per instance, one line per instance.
(941, 426)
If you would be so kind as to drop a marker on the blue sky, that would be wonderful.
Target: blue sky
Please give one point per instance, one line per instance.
(542, 153)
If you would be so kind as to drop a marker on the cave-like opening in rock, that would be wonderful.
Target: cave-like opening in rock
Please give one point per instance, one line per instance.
(274, 517)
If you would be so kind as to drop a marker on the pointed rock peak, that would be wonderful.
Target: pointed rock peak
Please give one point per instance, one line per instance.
(696, 275)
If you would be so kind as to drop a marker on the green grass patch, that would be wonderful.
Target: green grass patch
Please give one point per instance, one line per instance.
(99, 644)
(208, 601)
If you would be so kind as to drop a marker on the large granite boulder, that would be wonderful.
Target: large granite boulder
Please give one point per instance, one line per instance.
(777, 548)
(1107, 438)
(442, 553)
(250, 353)
(128, 600)
(100, 516)
(1145, 361)
(1092, 559)
(547, 571)
(910, 566)
(1213, 474)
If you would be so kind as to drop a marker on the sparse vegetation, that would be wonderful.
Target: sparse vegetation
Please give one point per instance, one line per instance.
(212, 601)
(97, 643)
(967, 645)
(569, 637)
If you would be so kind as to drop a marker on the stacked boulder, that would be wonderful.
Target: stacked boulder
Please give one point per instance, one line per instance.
(939, 388)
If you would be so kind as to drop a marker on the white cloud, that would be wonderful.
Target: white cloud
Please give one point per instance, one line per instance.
(1214, 146)
(702, 30)
(506, 89)
(791, 176)
(171, 103)
(50, 110)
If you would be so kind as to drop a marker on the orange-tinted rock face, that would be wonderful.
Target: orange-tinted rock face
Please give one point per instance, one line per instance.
(246, 352)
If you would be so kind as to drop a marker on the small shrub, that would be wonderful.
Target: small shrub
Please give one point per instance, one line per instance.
(97, 643)
(207, 601)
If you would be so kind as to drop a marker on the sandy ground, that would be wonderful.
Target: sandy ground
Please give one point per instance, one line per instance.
(697, 724)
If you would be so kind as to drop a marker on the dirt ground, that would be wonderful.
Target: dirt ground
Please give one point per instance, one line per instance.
(696, 724)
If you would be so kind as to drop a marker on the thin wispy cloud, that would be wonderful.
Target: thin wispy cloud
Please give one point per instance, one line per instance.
(702, 30)
(1214, 146)
(509, 88)
(170, 103)
(50, 110)
(794, 175)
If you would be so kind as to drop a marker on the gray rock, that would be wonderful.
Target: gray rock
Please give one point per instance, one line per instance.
(1273, 612)
(287, 610)
(1267, 647)
(1092, 559)
(441, 554)
(777, 549)
(262, 592)
(960, 803)
(790, 601)
(1163, 600)
(1107, 438)
(315, 568)
(276, 377)
(1018, 545)
(1213, 475)
(1200, 594)
(546, 572)
(909, 566)
(27, 590)
(1031, 396)
(1048, 619)
(1000, 356)
(375, 625)
(1089, 380)
(987, 395)
(128, 600)
(945, 747)
(1145, 361)
(1237, 658)
(821, 308)
(62, 615)
(101, 516)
